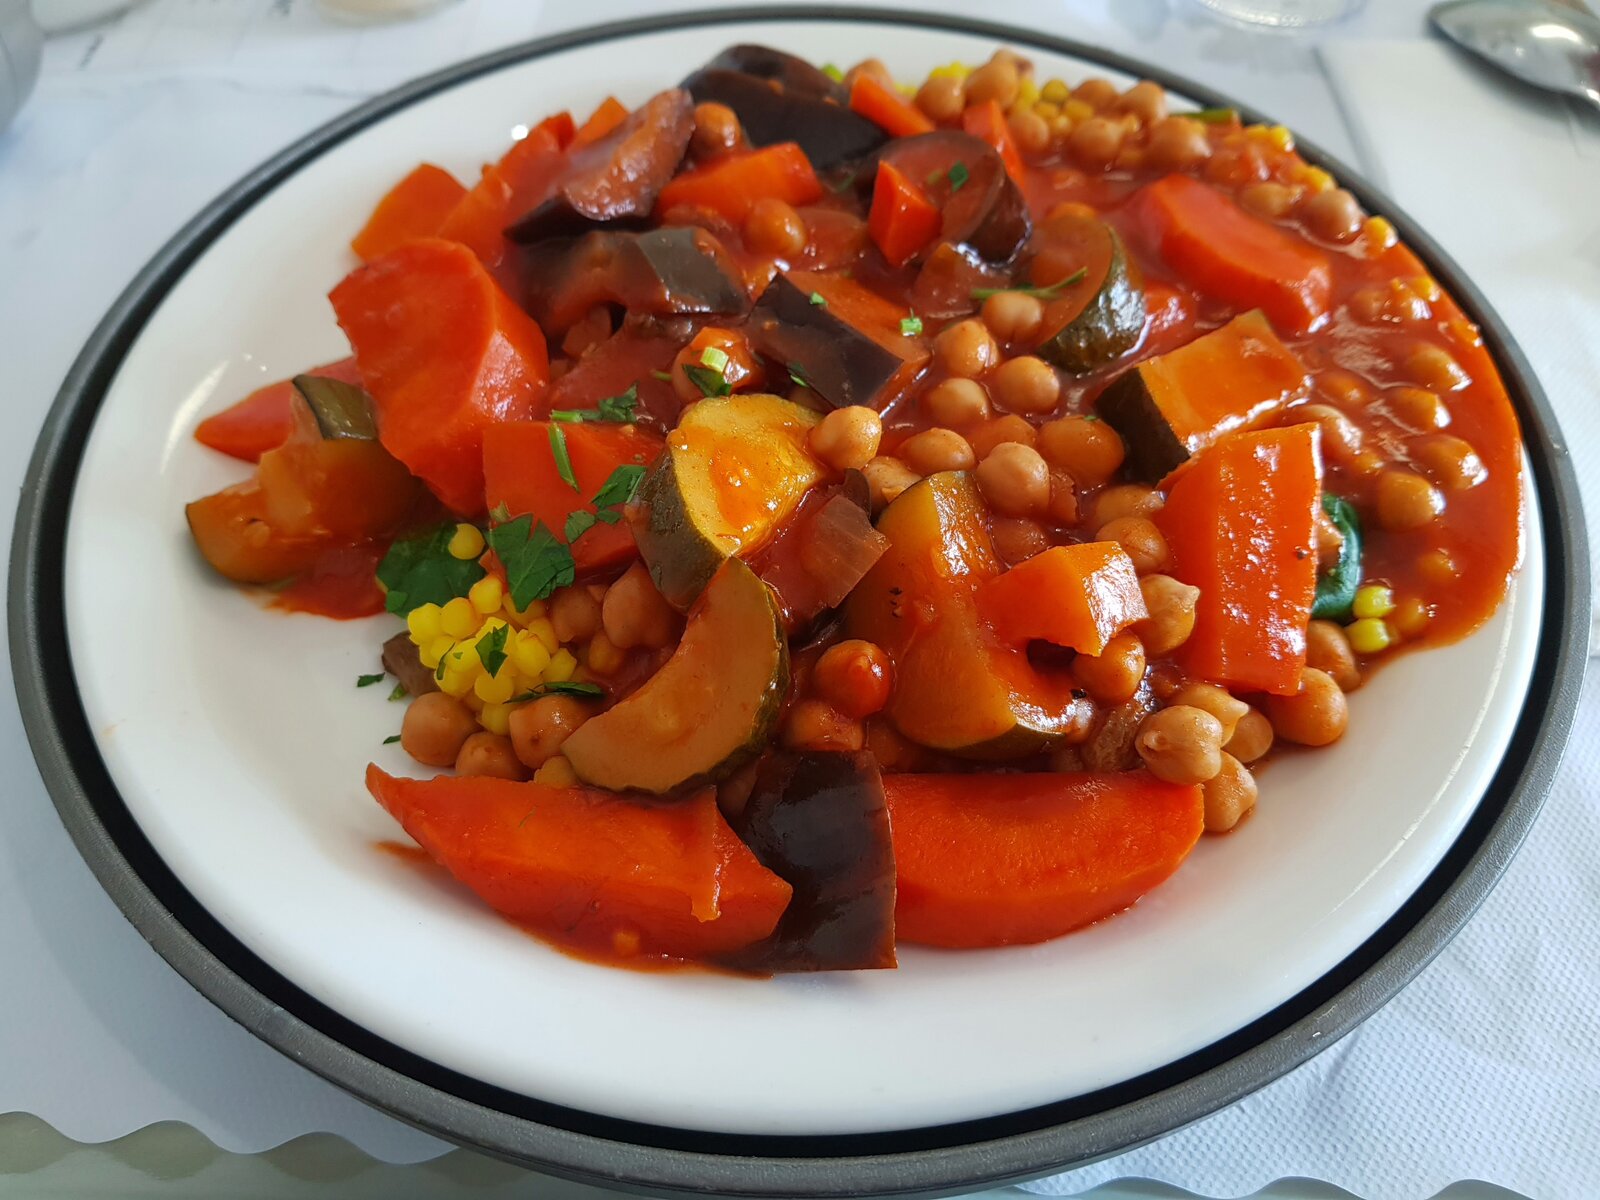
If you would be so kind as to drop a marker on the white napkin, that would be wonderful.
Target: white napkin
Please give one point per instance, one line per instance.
(1488, 1066)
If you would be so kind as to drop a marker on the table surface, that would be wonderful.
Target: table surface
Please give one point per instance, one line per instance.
(153, 80)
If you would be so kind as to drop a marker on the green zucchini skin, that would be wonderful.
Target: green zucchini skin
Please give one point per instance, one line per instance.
(680, 557)
(1110, 325)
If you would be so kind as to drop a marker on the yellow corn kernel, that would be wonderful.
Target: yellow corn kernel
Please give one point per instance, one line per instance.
(1380, 235)
(1027, 92)
(496, 718)
(1369, 635)
(487, 594)
(546, 633)
(1424, 286)
(1373, 600)
(1463, 331)
(1045, 110)
(1316, 179)
(1077, 110)
(458, 618)
(603, 657)
(436, 650)
(455, 682)
(561, 667)
(528, 654)
(466, 542)
(497, 688)
(1055, 91)
(556, 772)
(423, 623)
(954, 70)
(521, 616)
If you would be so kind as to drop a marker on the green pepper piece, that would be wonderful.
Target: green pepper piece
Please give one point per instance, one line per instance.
(1336, 589)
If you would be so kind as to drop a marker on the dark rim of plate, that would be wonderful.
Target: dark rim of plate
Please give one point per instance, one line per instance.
(607, 1151)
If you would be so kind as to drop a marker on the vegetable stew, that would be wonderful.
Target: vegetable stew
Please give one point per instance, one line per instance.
(827, 514)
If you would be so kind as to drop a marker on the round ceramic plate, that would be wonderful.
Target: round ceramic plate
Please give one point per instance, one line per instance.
(211, 765)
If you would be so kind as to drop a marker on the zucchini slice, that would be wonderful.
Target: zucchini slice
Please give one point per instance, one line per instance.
(709, 709)
(957, 688)
(1097, 321)
(734, 470)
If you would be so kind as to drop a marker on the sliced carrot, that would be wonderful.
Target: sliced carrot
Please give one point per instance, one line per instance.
(561, 127)
(445, 353)
(886, 109)
(1240, 523)
(415, 207)
(987, 122)
(519, 471)
(1235, 256)
(503, 190)
(1077, 596)
(994, 860)
(611, 113)
(591, 868)
(732, 185)
(903, 220)
(264, 419)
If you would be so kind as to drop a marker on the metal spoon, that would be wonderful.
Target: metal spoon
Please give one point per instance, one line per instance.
(1545, 44)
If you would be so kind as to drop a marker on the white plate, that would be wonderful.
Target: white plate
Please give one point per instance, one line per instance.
(237, 738)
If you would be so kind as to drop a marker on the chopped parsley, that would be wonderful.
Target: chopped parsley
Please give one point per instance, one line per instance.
(391, 739)
(399, 692)
(579, 522)
(491, 648)
(536, 561)
(910, 326)
(558, 448)
(797, 373)
(619, 410)
(663, 376)
(560, 687)
(1212, 116)
(619, 487)
(421, 570)
(1048, 292)
(959, 176)
(710, 374)
(818, 300)
(369, 680)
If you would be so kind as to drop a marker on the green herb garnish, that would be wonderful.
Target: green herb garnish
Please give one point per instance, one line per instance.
(959, 176)
(391, 739)
(491, 648)
(1336, 588)
(1048, 292)
(438, 672)
(536, 561)
(832, 72)
(819, 300)
(579, 522)
(369, 680)
(421, 570)
(561, 687)
(616, 409)
(710, 382)
(558, 448)
(500, 513)
(797, 374)
(399, 692)
(1211, 116)
(910, 326)
(619, 487)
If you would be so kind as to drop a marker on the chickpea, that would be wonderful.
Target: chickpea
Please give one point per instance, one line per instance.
(1328, 650)
(1341, 437)
(1181, 744)
(1406, 500)
(1218, 701)
(1269, 200)
(1333, 214)
(1140, 538)
(1097, 93)
(887, 477)
(1439, 568)
(1112, 676)
(636, 614)
(893, 752)
(1411, 616)
(1433, 367)
(956, 403)
(935, 450)
(1013, 316)
(1030, 131)
(556, 772)
(847, 437)
(1001, 431)
(1126, 500)
(716, 130)
(433, 728)
(1096, 142)
(1172, 610)
(486, 753)
(942, 98)
(1417, 408)
(1063, 508)
(1344, 388)
(1450, 462)
(966, 349)
(1228, 796)
(1316, 715)
(773, 227)
(1176, 144)
(995, 80)
(1017, 539)
(1015, 480)
(1252, 737)
(1026, 384)
(538, 729)
(876, 69)
(816, 725)
(1146, 100)
(574, 614)
(855, 677)
(1090, 451)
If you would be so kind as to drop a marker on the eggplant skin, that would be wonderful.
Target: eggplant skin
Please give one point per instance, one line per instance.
(842, 364)
(820, 822)
(827, 131)
(794, 75)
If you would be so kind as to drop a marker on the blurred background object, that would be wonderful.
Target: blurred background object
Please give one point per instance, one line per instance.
(365, 11)
(1285, 14)
(1550, 46)
(20, 42)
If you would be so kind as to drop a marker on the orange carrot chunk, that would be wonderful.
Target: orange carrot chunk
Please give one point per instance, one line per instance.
(264, 419)
(1240, 522)
(987, 121)
(445, 354)
(1235, 256)
(610, 113)
(520, 472)
(504, 189)
(886, 109)
(1077, 596)
(902, 220)
(591, 868)
(732, 185)
(415, 207)
(994, 860)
